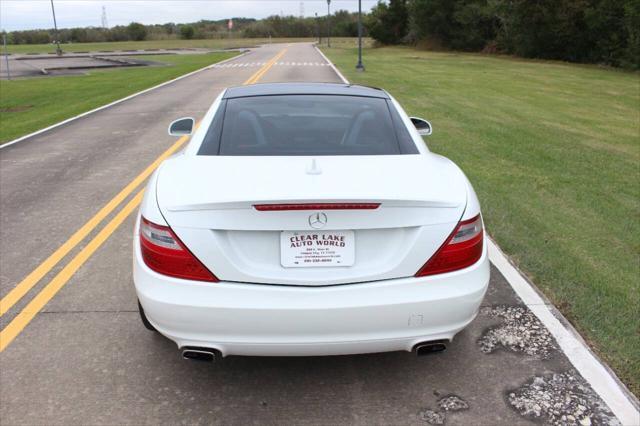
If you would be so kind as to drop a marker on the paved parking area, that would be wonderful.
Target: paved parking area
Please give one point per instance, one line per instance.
(40, 67)
(86, 358)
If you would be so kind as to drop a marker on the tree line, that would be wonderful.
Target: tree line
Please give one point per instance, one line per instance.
(588, 31)
(343, 24)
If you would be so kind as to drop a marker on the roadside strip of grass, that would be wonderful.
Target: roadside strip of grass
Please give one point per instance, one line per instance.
(143, 45)
(553, 151)
(27, 105)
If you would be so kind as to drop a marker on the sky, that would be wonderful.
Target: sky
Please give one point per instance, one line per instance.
(33, 14)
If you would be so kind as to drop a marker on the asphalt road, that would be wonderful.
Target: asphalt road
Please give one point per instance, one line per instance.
(86, 358)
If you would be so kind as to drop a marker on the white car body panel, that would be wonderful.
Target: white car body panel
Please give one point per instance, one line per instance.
(268, 320)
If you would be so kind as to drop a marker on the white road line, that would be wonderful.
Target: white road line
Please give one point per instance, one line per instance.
(84, 114)
(601, 379)
(342, 77)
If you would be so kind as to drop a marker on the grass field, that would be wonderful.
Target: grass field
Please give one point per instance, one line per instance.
(553, 151)
(27, 105)
(165, 44)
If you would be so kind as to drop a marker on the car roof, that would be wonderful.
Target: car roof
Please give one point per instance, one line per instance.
(270, 89)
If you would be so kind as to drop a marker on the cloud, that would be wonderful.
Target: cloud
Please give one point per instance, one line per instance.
(32, 14)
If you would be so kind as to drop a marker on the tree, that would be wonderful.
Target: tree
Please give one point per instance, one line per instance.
(632, 24)
(186, 32)
(388, 24)
(79, 35)
(544, 28)
(136, 31)
(474, 25)
(432, 20)
(457, 24)
(344, 24)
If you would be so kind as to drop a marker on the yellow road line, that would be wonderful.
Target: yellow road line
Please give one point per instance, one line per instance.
(25, 316)
(36, 275)
(262, 71)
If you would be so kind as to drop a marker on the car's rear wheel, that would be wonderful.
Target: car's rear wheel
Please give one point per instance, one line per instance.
(144, 319)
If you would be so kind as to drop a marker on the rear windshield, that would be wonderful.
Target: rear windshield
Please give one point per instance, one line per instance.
(307, 125)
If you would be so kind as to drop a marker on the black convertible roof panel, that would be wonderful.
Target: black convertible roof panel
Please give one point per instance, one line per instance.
(269, 89)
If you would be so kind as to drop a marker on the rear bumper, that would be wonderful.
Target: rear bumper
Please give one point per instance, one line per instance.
(257, 319)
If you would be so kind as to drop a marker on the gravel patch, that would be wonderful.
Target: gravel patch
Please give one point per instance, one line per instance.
(561, 399)
(432, 417)
(520, 331)
(450, 403)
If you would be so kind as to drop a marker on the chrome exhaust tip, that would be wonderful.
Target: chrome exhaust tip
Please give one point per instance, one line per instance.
(428, 348)
(201, 354)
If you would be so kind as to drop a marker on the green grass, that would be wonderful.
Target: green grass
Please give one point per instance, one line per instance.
(164, 44)
(553, 151)
(27, 105)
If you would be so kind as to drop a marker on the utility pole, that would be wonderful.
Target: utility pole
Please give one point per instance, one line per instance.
(55, 27)
(6, 54)
(360, 65)
(318, 30)
(328, 23)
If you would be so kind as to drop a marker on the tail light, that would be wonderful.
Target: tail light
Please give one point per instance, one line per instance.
(463, 248)
(164, 253)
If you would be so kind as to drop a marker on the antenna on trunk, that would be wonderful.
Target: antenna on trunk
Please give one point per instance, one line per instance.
(314, 169)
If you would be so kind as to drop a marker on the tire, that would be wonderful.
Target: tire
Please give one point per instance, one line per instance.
(144, 319)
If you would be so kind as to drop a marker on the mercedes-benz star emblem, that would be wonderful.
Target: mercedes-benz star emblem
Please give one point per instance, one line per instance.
(317, 220)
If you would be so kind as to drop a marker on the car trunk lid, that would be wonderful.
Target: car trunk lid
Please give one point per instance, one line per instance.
(210, 202)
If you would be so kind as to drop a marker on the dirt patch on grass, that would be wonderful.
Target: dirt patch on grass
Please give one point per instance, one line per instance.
(17, 108)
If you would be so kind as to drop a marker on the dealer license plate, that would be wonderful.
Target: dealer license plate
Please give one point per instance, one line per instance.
(317, 248)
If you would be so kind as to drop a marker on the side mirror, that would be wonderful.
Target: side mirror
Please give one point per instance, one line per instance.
(423, 126)
(181, 126)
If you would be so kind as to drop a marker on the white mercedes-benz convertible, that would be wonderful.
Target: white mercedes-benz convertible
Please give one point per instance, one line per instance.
(308, 219)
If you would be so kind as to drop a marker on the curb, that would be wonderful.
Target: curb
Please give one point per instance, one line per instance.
(600, 377)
